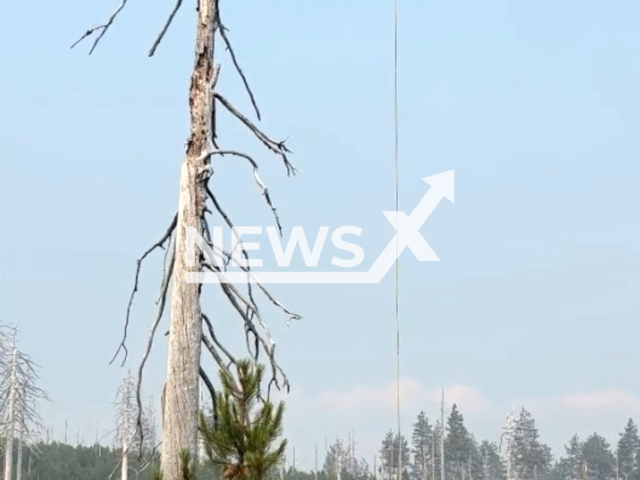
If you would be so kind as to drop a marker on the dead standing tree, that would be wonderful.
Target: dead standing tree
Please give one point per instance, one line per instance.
(128, 435)
(19, 399)
(180, 408)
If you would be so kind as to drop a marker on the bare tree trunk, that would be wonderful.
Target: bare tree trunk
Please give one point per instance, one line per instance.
(124, 467)
(19, 461)
(181, 396)
(8, 454)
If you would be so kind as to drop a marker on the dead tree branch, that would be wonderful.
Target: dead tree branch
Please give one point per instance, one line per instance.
(166, 26)
(195, 176)
(254, 280)
(101, 28)
(222, 30)
(212, 392)
(164, 288)
(159, 244)
(261, 185)
(212, 333)
(279, 148)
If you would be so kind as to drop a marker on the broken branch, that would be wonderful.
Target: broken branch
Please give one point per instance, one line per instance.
(102, 28)
(279, 148)
(166, 26)
(159, 244)
(232, 54)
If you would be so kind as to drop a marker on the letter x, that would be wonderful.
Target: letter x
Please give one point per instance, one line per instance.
(408, 233)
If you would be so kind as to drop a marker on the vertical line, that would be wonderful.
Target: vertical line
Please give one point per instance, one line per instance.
(397, 208)
(442, 434)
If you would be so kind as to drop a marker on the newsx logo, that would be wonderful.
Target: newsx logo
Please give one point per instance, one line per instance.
(407, 235)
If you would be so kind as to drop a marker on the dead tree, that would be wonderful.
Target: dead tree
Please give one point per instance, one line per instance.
(21, 432)
(19, 399)
(189, 327)
(506, 442)
(129, 437)
(149, 443)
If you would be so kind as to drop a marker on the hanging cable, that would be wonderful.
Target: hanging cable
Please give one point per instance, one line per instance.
(397, 205)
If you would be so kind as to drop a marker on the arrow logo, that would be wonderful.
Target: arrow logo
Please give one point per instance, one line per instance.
(407, 235)
(408, 228)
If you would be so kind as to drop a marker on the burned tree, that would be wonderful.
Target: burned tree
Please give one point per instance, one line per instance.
(19, 399)
(189, 327)
(129, 437)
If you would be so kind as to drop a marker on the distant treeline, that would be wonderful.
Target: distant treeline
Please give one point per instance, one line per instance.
(520, 456)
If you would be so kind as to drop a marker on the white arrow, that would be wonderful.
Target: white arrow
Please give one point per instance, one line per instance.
(442, 185)
(408, 228)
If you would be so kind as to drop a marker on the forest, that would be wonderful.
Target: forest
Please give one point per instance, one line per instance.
(520, 455)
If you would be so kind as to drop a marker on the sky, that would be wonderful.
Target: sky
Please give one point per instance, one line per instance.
(535, 300)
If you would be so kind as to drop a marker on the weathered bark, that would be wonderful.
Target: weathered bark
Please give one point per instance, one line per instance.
(124, 467)
(21, 427)
(181, 396)
(19, 460)
(8, 453)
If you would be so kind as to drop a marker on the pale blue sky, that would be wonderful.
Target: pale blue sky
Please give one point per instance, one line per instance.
(533, 104)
